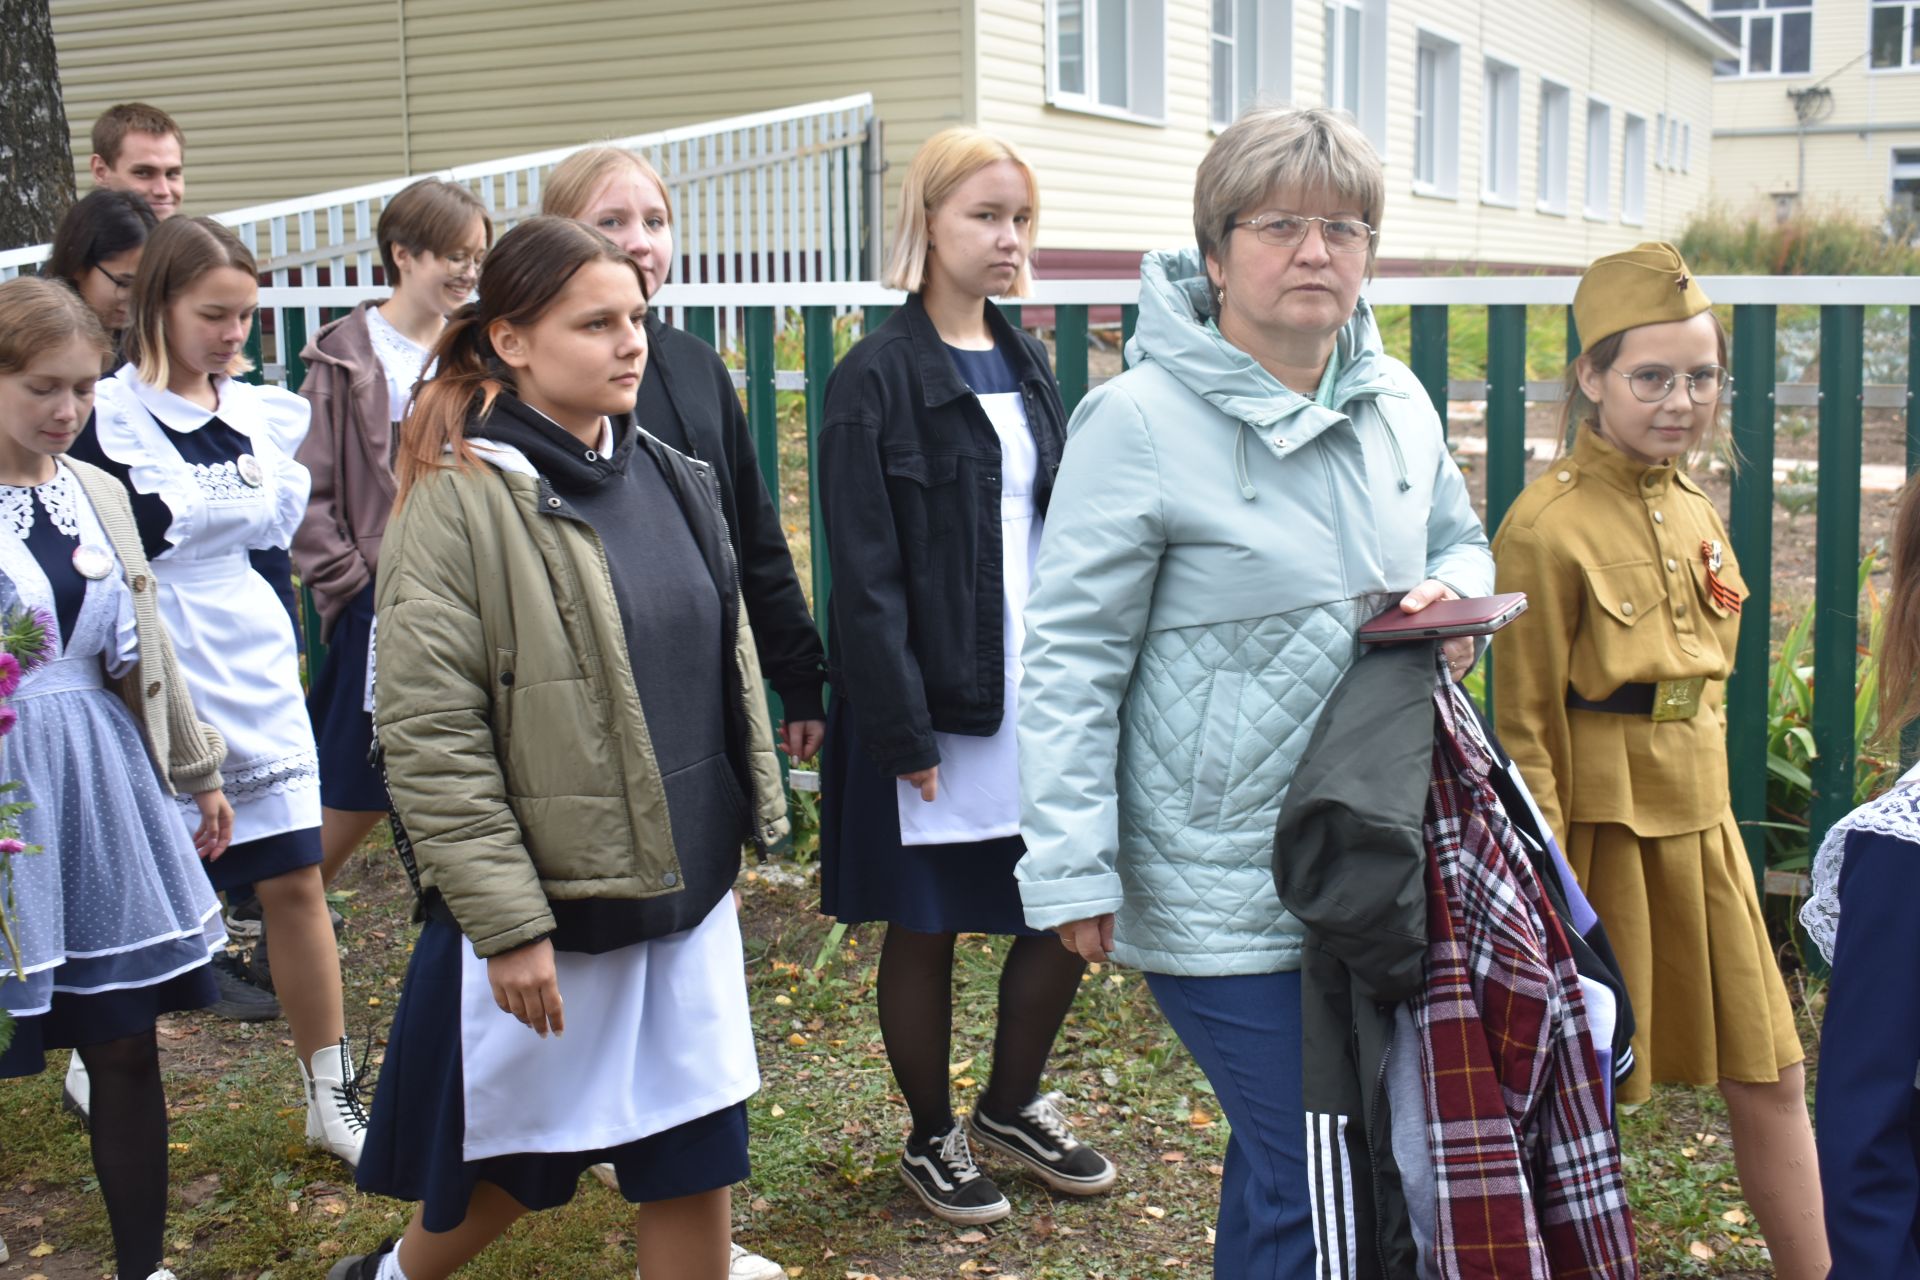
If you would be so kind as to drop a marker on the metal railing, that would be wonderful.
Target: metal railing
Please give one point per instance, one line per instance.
(1839, 396)
(791, 195)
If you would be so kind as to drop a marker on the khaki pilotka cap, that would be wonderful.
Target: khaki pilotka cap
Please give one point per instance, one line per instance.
(1647, 284)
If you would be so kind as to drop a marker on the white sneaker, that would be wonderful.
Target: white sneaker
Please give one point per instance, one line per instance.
(4, 1255)
(163, 1274)
(77, 1096)
(744, 1265)
(608, 1178)
(335, 1119)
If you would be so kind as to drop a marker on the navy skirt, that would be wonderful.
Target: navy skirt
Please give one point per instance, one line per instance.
(416, 1139)
(337, 705)
(75, 1021)
(866, 874)
(247, 864)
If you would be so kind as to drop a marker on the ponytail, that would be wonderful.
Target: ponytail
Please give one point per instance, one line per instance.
(1900, 639)
(434, 432)
(524, 275)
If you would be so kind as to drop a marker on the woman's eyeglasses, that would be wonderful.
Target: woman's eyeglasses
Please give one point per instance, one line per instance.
(1653, 383)
(1284, 230)
(123, 283)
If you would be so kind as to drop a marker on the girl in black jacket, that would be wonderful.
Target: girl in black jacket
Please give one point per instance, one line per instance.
(943, 431)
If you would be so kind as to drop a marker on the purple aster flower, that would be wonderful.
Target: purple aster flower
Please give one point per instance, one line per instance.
(9, 674)
(10, 845)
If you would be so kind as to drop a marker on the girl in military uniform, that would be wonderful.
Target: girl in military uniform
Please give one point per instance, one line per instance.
(1608, 693)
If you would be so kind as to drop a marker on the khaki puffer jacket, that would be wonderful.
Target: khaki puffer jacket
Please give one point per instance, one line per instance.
(517, 752)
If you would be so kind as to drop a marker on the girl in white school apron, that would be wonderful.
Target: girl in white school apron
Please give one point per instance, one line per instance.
(576, 742)
(115, 920)
(209, 462)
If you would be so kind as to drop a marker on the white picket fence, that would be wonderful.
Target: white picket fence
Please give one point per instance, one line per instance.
(785, 196)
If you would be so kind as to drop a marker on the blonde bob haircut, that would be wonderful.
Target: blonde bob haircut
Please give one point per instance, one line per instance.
(1282, 154)
(179, 252)
(942, 163)
(575, 180)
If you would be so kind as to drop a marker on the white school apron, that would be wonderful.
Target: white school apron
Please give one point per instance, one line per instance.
(657, 1034)
(979, 791)
(230, 632)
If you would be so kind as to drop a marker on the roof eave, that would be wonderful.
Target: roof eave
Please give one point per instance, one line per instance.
(1681, 19)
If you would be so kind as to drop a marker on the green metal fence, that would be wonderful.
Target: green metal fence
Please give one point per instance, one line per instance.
(1755, 301)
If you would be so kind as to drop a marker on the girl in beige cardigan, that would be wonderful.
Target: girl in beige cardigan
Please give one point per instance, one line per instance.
(115, 920)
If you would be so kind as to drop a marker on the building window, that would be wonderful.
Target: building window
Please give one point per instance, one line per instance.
(1775, 36)
(1355, 69)
(1252, 55)
(1686, 148)
(1555, 106)
(1500, 136)
(1599, 149)
(1108, 56)
(1903, 193)
(1633, 170)
(1893, 42)
(1436, 116)
(1345, 43)
(1660, 141)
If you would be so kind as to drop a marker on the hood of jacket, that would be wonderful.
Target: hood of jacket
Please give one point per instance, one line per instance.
(345, 343)
(556, 453)
(1173, 331)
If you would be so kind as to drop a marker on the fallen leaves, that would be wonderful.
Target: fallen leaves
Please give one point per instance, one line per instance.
(1200, 1119)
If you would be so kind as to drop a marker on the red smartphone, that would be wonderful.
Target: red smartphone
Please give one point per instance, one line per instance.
(1480, 616)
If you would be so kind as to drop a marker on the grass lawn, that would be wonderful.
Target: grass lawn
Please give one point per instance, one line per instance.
(251, 1203)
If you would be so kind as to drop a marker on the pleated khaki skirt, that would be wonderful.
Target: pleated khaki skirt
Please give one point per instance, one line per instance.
(1685, 922)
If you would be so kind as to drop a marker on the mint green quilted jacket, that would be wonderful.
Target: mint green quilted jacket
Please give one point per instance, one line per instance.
(1213, 543)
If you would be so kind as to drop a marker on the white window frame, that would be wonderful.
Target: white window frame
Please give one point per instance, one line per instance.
(1369, 98)
(1775, 10)
(1146, 70)
(1436, 116)
(1500, 132)
(1898, 169)
(1686, 148)
(1266, 51)
(1599, 167)
(1660, 140)
(1554, 155)
(1633, 170)
(1908, 63)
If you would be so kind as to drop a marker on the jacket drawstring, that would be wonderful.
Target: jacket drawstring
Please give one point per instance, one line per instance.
(1399, 458)
(1240, 472)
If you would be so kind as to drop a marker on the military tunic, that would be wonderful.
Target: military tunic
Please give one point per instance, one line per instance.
(1630, 581)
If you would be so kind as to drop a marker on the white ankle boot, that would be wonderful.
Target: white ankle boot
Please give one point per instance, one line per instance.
(77, 1096)
(335, 1119)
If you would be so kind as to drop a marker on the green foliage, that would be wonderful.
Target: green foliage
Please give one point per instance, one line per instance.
(1790, 745)
(1815, 242)
(1467, 339)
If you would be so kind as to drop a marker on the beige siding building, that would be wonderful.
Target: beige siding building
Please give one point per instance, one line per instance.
(1820, 108)
(1516, 133)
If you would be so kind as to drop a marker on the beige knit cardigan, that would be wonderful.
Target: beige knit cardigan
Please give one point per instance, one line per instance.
(189, 752)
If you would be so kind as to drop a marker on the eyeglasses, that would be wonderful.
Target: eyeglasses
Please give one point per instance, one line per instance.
(461, 259)
(122, 283)
(1653, 383)
(1284, 230)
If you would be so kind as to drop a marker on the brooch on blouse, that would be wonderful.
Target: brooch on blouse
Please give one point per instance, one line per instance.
(1713, 555)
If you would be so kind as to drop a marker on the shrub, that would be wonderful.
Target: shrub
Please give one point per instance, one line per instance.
(1814, 242)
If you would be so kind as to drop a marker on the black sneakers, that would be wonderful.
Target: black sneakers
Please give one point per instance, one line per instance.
(361, 1266)
(942, 1173)
(1038, 1137)
(240, 1000)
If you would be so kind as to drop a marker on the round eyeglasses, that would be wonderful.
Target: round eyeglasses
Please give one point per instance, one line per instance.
(1284, 230)
(1653, 383)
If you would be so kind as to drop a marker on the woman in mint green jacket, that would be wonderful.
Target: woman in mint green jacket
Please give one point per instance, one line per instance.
(1261, 481)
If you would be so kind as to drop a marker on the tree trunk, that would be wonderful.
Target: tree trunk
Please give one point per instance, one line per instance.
(36, 159)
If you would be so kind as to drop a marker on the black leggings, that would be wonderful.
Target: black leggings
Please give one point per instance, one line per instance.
(128, 1127)
(915, 995)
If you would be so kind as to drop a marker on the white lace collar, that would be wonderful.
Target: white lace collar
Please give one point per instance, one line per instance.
(60, 496)
(257, 412)
(1895, 813)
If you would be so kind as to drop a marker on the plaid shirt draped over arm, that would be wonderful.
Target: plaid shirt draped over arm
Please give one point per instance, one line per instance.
(1526, 1163)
